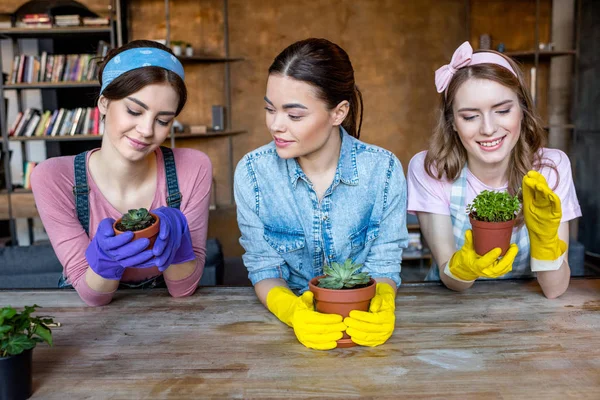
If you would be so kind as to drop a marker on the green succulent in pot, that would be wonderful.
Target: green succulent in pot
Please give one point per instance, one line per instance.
(135, 220)
(343, 276)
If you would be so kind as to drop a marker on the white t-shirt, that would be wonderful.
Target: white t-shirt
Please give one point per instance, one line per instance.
(426, 194)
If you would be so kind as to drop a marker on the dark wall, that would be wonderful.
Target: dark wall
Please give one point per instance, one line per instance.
(587, 136)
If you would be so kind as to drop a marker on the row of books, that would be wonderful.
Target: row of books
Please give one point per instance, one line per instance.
(60, 122)
(43, 20)
(54, 68)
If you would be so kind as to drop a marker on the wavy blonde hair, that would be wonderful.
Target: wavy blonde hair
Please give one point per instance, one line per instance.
(447, 156)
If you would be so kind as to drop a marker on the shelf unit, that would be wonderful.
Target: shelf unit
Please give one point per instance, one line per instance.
(226, 60)
(522, 42)
(19, 203)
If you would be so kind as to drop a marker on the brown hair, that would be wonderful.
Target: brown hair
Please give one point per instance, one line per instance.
(327, 67)
(447, 156)
(136, 79)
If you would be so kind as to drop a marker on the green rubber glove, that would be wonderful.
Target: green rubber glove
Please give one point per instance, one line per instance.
(466, 265)
(376, 326)
(542, 212)
(313, 329)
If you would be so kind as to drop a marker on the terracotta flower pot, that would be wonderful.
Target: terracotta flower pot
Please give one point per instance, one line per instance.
(331, 301)
(150, 232)
(489, 235)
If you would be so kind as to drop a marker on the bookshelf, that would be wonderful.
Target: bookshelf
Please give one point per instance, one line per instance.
(71, 93)
(198, 64)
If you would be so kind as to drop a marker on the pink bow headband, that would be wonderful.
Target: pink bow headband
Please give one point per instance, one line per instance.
(462, 57)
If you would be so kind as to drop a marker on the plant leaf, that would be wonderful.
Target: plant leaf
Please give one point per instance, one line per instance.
(44, 332)
(18, 344)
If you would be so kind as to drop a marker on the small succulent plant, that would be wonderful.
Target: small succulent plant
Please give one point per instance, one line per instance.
(343, 276)
(135, 220)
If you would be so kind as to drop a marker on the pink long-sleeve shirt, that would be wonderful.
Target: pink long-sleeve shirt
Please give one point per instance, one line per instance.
(52, 183)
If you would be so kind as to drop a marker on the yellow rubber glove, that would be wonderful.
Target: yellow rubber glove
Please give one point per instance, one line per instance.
(374, 327)
(313, 329)
(466, 265)
(542, 212)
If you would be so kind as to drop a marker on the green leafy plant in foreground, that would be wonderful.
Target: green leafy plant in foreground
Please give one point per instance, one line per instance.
(492, 206)
(135, 220)
(343, 276)
(21, 331)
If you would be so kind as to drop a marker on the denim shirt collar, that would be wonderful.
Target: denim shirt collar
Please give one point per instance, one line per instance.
(346, 171)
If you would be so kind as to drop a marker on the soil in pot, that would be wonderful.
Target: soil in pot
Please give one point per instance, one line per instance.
(330, 301)
(150, 232)
(489, 235)
(16, 376)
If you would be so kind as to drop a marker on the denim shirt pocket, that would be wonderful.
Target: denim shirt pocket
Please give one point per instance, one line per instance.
(360, 239)
(287, 243)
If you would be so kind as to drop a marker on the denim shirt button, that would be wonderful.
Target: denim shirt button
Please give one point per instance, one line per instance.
(325, 217)
(318, 249)
(331, 256)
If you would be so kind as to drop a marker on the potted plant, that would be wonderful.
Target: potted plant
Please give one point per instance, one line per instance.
(492, 215)
(189, 50)
(176, 47)
(142, 223)
(19, 334)
(341, 290)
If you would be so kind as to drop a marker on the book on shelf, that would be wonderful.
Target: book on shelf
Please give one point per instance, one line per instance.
(28, 114)
(13, 127)
(35, 21)
(67, 20)
(33, 123)
(27, 170)
(95, 21)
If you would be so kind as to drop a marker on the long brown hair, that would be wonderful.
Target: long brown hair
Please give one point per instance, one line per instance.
(136, 79)
(447, 156)
(327, 67)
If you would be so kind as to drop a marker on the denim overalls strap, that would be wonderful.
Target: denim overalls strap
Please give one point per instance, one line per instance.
(81, 191)
(461, 223)
(173, 193)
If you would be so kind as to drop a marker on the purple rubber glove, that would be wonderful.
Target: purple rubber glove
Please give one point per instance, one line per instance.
(108, 255)
(174, 243)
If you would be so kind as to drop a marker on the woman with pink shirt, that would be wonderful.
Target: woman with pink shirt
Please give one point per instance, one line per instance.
(489, 137)
(79, 198)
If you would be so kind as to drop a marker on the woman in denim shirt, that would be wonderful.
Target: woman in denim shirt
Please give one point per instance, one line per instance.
(316, 194)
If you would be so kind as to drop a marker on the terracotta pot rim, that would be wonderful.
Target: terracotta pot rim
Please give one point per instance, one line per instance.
(313, 284)
(156, 218)
(492, 225)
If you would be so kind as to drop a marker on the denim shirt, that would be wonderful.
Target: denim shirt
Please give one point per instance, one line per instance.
(289, 234)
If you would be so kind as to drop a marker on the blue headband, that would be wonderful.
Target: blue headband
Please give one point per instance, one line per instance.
(138, 58)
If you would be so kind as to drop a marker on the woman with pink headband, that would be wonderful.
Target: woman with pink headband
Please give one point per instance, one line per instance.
(489, 137)
(79, 198)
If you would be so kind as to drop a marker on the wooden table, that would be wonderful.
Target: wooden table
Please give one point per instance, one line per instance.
(499, 340)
